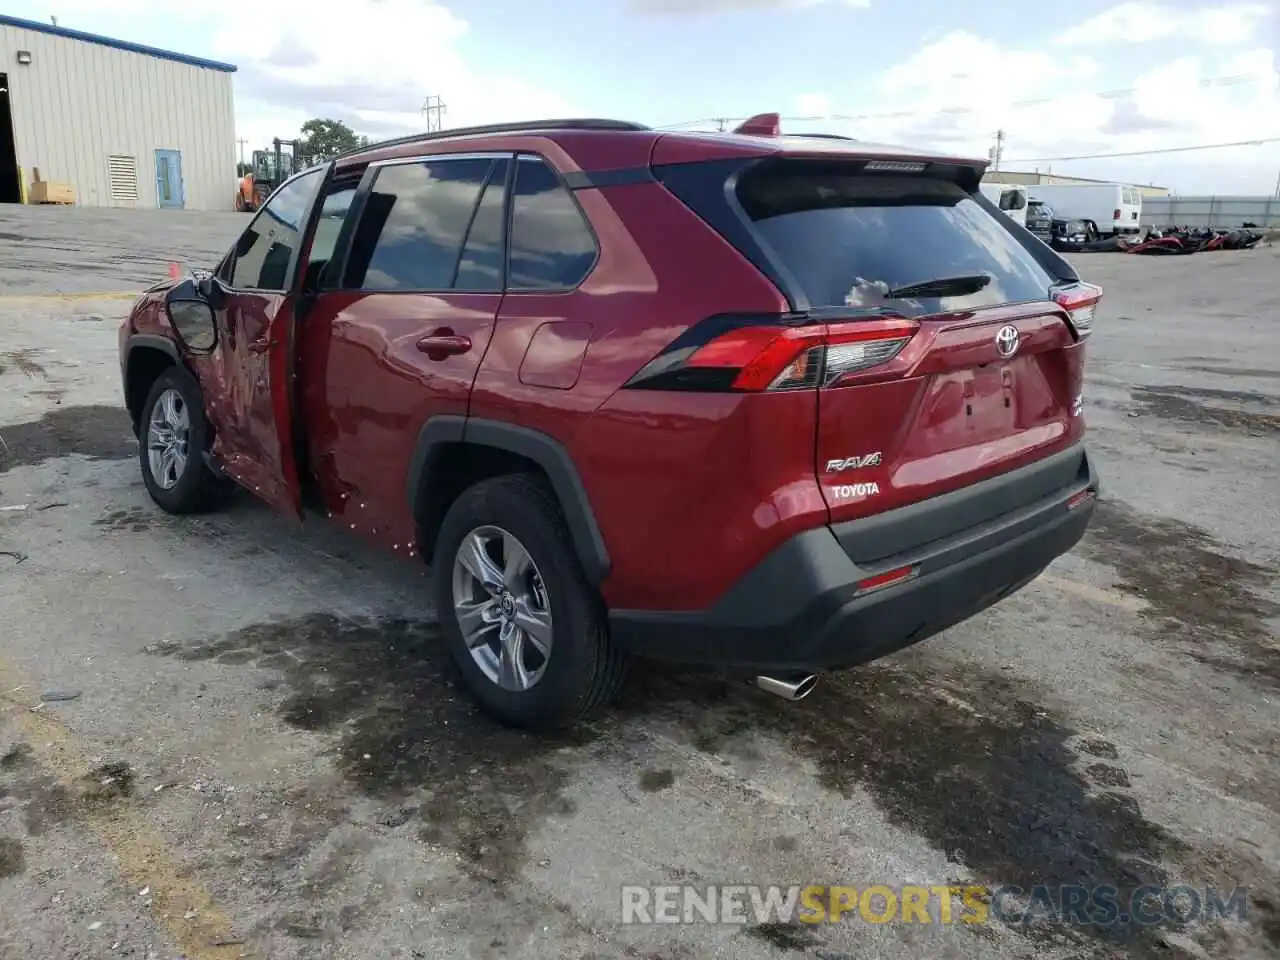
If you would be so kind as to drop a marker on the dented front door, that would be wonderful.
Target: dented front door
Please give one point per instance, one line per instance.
(248, 381)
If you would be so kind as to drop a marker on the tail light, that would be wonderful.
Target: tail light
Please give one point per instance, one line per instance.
(751, 354)
(1115, 214)
(1080, 300)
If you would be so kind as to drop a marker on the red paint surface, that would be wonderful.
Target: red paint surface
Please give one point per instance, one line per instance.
(366, 390)
(947, 411)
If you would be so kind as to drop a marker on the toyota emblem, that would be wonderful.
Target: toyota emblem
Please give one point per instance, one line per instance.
(1007, 341)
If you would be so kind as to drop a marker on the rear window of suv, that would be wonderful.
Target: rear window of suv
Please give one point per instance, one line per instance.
(846, 237)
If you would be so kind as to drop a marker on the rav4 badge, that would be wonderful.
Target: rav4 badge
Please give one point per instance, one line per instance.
(854, 463)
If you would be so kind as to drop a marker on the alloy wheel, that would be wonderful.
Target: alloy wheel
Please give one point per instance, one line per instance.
(168, 432)
(502, 608)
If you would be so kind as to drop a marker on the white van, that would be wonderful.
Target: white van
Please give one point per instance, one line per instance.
(1111, 207)
(1011, 198)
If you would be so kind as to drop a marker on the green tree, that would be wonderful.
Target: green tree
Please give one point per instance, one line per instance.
(322, 139)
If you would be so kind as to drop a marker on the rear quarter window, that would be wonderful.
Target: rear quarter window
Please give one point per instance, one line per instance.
(551, 248)
(845, 236)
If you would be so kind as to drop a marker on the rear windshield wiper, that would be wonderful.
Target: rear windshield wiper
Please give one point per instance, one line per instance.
(941, 287)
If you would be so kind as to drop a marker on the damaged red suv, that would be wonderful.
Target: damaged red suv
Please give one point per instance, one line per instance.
(774, 404)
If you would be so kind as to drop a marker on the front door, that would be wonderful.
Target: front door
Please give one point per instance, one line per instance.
(169, 193)
(247, 380)
(398, 337)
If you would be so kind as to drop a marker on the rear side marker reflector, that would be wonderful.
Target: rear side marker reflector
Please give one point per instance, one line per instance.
(1078, 498)
(882, 580)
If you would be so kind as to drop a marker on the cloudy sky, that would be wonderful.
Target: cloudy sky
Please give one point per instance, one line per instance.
(1071, 80)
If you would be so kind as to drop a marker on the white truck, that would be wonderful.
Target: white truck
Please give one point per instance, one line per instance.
(1011, 198)
(1112, 208)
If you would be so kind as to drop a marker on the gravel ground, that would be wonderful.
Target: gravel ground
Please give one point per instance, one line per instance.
(268, 757)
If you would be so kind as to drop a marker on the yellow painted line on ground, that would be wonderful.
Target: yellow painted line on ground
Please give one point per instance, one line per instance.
(1086, 591)
(181, 906)
(45, 297)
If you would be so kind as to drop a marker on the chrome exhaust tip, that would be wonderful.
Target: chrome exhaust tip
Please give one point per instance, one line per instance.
(788, 688)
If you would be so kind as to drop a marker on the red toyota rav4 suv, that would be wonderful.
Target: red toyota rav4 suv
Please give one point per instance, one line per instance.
(775, 404)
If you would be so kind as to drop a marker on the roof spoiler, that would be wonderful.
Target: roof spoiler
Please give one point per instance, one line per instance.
(761, 125)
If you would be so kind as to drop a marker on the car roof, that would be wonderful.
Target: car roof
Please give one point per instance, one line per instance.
(591, 144)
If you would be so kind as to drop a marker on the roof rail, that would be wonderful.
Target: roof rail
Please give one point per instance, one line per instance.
(519, 126)
(824, 136)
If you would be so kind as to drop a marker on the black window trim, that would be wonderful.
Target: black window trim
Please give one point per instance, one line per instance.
(508, 178)
(336, 183)
(334, 279)
(529, 156)
(225, 269)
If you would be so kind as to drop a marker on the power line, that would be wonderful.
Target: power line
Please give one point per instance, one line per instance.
(1149, 153)
(1120, 93)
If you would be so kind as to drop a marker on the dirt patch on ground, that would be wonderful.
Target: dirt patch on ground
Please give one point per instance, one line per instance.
(970, 761)
(97, 432)
(1238, 372)
(16, 756)
(1204, 406)
(406, 734)
(24, 361)
(785, 937)
(651, 781)
(12, 858)
(1207, 600)
(47, 803)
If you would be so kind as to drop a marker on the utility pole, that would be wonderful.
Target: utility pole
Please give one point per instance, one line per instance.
(721, 124)
(242, 141)
(998, 151)
(434, 108)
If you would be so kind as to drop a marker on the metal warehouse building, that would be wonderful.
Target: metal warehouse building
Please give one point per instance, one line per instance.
(122, 124)
(1031, 178)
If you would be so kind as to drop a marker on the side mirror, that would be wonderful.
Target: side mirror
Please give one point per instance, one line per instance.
(193, 322)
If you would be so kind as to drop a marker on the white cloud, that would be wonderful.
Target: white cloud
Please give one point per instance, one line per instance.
(371, 65)
(1144, 22)
(718, 6)
(955, 93)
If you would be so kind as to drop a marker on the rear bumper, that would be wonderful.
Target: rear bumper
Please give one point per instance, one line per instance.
(800, 609)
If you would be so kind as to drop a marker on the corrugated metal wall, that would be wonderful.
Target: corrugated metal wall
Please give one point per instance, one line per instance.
(1224, 212)
(78, 103)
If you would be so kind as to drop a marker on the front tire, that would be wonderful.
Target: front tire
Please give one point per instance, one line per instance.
(172, 437)
(527, 631)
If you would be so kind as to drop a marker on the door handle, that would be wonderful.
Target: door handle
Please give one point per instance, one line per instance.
(444, 343)
(261, 345)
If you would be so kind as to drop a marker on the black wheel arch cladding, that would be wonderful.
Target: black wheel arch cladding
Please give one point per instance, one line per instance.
(440, 432)
(142, 344)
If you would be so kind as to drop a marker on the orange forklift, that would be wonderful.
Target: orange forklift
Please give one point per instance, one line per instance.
(269, 169)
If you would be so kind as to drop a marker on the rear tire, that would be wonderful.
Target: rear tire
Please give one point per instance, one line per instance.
(173, 434)
(567, 660)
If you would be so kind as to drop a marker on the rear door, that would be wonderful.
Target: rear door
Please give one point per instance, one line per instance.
(247, 384)
(964, 383)
(398, 330)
